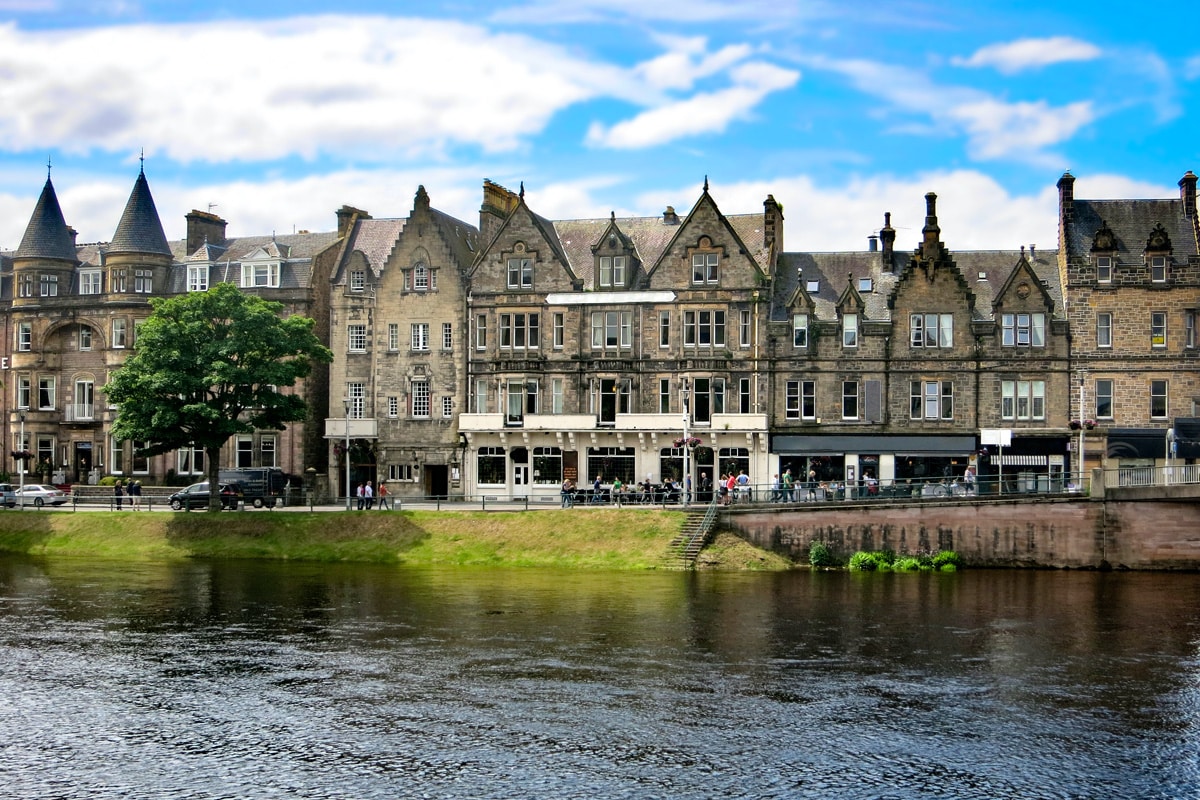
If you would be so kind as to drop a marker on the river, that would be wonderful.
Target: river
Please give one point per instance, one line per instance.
(252, 679)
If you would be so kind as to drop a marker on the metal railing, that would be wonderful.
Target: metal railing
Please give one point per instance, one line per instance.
(1168, 475)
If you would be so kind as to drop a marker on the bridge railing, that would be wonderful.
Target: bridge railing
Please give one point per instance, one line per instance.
(1168, 475)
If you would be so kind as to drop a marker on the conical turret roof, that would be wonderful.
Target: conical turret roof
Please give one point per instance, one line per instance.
(140, 230)
(47, 235)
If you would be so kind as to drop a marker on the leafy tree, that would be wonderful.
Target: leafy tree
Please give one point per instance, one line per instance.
(209, 365)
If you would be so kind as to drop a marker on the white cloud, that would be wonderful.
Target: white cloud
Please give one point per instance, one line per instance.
(704, 113)
(687, 60)
(558, 12)
(1025, 54)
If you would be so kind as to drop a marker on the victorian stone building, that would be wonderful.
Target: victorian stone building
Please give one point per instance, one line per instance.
(72, 313)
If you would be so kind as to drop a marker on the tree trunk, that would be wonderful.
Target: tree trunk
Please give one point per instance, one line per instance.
(212, 456)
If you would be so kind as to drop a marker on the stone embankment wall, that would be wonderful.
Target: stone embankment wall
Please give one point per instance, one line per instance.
(1075, 533)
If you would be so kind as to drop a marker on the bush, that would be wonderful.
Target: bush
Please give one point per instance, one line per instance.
(908, 564)
(820, 556)
(870, 562)
(947, 558)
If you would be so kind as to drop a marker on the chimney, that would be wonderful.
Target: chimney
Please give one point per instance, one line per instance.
(887, 237)
(670, 217)
(74, 234)
(345, 218)
(498, 203)
(1066, 197)
(1187, 193)
(772, 225)
(872, 243)
(202, 227)
(1033, 252)
(931, 231)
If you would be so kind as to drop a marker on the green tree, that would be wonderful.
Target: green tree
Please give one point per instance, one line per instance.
(210, 365)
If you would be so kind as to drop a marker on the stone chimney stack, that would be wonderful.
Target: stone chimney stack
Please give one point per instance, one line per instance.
(887, 237)
(345, 218)
(670, 217)
(202, 227)
(1066, 197)
(498, 203)
(1187, 193)
(931, 231)
(772, 225)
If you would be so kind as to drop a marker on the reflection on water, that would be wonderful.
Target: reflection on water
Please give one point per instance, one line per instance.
(207, 680)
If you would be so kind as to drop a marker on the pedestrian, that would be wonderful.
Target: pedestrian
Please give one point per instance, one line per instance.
(369, 496)
(687, 489)
(597, 497)
(119, 493)
(383, 497)
(705, 488)
(776, 488)
(568, 494)
(788, 486)
(617, 486)
(362, 496)
(135, 494)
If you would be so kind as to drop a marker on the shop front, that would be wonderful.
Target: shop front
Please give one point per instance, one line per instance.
(859, 464)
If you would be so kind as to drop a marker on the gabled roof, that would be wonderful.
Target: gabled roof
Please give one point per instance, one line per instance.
(140, 229)
(295, 270)
(47, 235)
(1131, 222)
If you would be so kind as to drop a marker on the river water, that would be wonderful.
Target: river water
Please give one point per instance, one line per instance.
(251, 680)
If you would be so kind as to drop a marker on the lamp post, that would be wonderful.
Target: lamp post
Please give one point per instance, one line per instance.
(24, 449)
(346, 453)
(1082, 427)
(684, 393)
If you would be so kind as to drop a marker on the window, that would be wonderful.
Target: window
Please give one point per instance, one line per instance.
(1023, 400)
(850, 330)
(556, 396)
(491, 466)
(520, 273)
(420, 336)
(1023, 330)
(264, 275)
(801, 400)
(1104, 398)
(45, 449)
(357, 335)
(704, 267)
(799, 330)
(141, 461)
(91, 281)
(664, 395)
(558, 330)
(393, 406)
(357, 393)
(447, 407)
(84, 407)
(481, 396)
(245, 452)
(704, 329)
(24, 336)
(1158, 329)
(612, 329)
(612, 271)
(420, 399)
(49, 285)
(1104, 321)
(143, 281)
(46, 393)
(664, 329)
(189, 461)
(1189, 329)
(708, 398)
(931, 400)
(25, 285)
(931, 330)
(743, 395)
(197, 277)
(118, 333)
(403, 473)
(744, 327)
(849, 399)
(393, 336)
(1158, 269)
(521, 399)
(865, 284)
(267, 450)
(1104, 269)
(117, 465)
(547, 466)
(24, 391)
(481, 332)
(358, 280)
(519, 331)
(420, 278)
(1158, 399)
(119, 280)
(447, 336)
(85, 338)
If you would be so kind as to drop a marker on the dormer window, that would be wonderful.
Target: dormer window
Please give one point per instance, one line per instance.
(91, 281)
(1158, 269)
(612, 272)
(1104, 269)
(260, 275)
(197, 277)
(358, 280)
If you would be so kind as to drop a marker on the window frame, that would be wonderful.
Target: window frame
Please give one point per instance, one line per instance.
(1104, 330)
(419, 337)
(706, 268)
(800, 330)
(850, 331)
(1158, 330)
(356, 337)
(91, 281)
(1155, 394)
(197, 277)
(1103, 391)
(520, 273)
(851, 400)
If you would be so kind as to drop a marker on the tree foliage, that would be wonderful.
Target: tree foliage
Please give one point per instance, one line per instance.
(210, 365)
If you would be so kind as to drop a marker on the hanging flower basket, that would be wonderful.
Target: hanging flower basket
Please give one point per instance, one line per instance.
(22, 455)
(691, 441)
(1075, 425)
(1089, 424)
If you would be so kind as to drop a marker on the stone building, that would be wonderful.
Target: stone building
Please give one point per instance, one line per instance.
(398, 336)
(73, 311)
(1130, 271)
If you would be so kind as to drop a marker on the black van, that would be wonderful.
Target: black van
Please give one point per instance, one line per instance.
(263, 486)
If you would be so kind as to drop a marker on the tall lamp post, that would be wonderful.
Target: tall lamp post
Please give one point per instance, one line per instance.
(346, 405)
(24, 449)
(684, 393)
(1082, 427)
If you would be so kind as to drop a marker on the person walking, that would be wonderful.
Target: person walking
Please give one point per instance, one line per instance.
(362, 496)
(568, 494)
(384, 502)
(135, 494)
(369, 496)
(119, 493)
(597, 497)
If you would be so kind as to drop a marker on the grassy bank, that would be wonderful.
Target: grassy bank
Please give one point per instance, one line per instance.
(596, 539)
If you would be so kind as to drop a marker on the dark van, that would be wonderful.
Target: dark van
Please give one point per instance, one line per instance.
(262, 486)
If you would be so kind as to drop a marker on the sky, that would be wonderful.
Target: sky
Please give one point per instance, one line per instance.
(275, 114)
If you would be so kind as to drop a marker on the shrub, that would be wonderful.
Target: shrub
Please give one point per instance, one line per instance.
(908, 564)
(870, 562)
(820, 556)
(947, 558)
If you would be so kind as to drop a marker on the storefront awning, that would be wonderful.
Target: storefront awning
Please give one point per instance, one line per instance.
(1020, 461)
(1137, 442)
(817, 444)
(1187, 437)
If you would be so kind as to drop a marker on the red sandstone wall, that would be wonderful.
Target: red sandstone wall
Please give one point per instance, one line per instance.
(1038, 533)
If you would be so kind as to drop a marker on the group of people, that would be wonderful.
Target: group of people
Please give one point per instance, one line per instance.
(734, 488)
(133, 489)
(619, 492)
(366, 496)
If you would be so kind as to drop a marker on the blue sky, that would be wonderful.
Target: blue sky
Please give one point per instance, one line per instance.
(275, 114)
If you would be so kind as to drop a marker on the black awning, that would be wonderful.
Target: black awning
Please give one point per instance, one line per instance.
(1187, 437)
(1137, 442)
(818, 444)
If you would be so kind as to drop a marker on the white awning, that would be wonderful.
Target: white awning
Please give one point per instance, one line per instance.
(1020, 461)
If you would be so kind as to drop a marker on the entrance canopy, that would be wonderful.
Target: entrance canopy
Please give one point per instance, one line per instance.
(818, 444)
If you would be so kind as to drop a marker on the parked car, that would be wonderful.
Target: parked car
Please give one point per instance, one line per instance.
(196, 496)
(39, 494)
(8, 495)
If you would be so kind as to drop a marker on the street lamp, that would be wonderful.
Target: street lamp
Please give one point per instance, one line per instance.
(24, 449)
(346, 452)
(684, 393)
(1082, 427)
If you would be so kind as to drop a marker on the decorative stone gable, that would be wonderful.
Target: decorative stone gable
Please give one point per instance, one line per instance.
(1159, 241)
(1105, 241)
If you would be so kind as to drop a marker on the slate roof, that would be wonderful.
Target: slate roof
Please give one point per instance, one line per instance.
(295, 268)
(1131, 221)
(47, 234)
(140, 229)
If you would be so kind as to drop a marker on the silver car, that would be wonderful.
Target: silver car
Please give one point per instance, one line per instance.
(39, 494)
